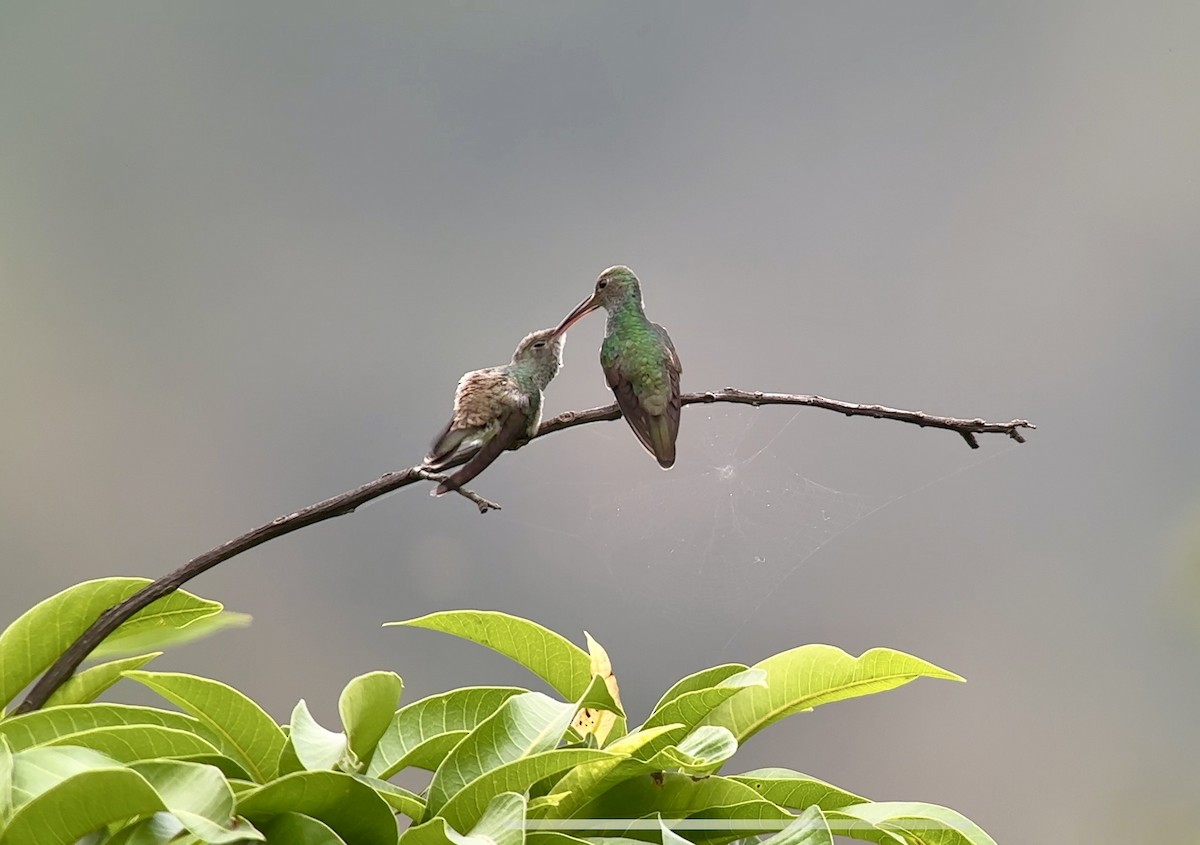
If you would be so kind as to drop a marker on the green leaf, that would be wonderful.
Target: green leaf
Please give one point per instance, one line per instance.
(288, 761)
(130, 743)
(701, 751)
(6, 784)
(83, 687)
(538, 807)
(35, 640)
(159, 829)
(352, 809)
(668, 836)
(436, 832)
(79, 804)
(556, 837)
(196, 795)
(156, 829)
(502, 824)
(689, 708)
(916, 822)
(524, 725)
(856, 828)
(599, 696)
(398, 798)
(43, 726)
(367, 706)
(422, 733)
(716, 825)
(170, 631)
(504, 821)
(810, 675)
(248, 732)
(298, 829)
(467, 805)
(227, 766)
(553, 658)
(428, 755)
(36, 770)
(316, 747)
(809, 828)
(798, 791)
(704, 679)
(585, 782)
(673, 795)
(756, 818)
(759, 822)
(199, 798)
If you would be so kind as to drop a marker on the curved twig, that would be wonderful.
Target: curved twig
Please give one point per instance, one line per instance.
(347, 502)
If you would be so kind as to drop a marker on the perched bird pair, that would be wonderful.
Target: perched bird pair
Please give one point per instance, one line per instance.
(496, 408)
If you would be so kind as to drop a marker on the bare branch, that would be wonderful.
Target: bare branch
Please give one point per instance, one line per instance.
(347, 502)
(967, 428)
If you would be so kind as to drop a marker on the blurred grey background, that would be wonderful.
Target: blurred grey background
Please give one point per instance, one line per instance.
(246, 251)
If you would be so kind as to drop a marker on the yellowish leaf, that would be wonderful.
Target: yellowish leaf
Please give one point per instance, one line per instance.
(590, 720)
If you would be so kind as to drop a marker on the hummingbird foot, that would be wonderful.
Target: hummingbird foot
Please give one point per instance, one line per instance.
(483, 504)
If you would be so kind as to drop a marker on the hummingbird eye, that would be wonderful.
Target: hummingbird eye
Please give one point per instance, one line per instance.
(538, 344)
(602, 284)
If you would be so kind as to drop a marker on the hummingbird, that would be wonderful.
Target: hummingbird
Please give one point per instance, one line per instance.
(639, 361)
(496, 407)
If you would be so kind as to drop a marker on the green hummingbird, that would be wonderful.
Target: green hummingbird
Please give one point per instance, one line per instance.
(639, 361)
(496, 407)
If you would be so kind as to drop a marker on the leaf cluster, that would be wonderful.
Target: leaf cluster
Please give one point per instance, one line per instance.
(502, 765)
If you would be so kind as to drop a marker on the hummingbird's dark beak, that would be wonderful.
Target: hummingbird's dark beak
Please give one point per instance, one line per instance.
(581, 310)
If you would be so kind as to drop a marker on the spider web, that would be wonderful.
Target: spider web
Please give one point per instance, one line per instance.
(705, 548)
(747, 521)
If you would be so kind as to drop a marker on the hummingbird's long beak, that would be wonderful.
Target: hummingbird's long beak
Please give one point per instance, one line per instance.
(581, 310)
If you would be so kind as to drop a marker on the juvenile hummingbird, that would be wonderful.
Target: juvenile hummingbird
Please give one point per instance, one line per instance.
(496, 407)
(640, 362)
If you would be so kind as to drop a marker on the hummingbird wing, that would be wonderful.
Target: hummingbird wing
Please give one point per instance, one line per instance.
(474, 415)
(666, 428)
(656, 432)
(513, 426)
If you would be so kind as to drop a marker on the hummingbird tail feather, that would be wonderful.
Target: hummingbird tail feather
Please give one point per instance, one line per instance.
(444, 447)
(662, 439)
